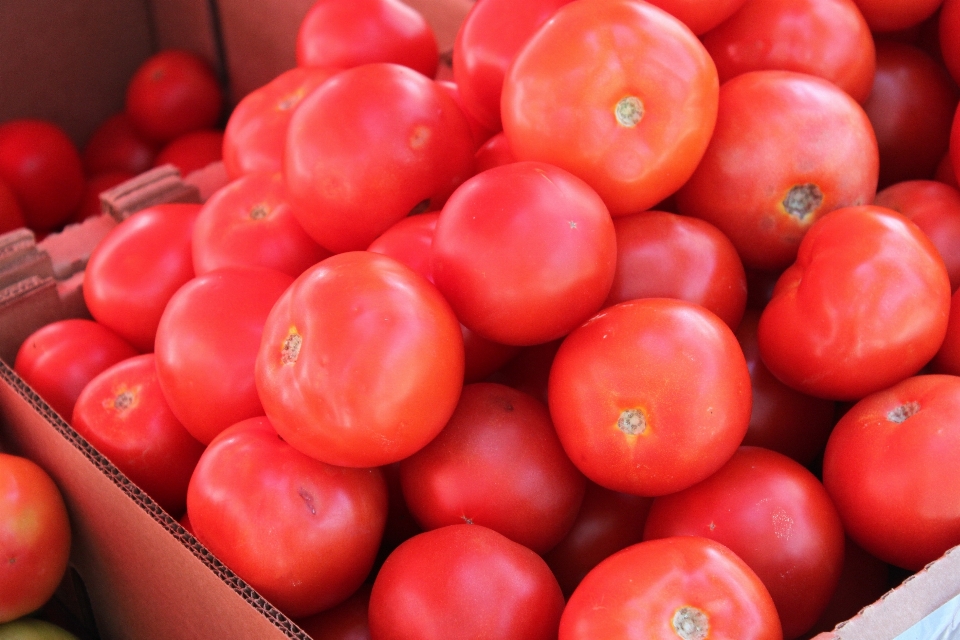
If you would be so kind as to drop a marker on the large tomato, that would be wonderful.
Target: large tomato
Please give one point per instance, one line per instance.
(617, 92)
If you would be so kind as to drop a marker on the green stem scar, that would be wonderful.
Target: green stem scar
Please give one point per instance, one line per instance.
(629, 111)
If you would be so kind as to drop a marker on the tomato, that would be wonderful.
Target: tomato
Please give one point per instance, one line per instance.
(935, 208)
(11, 215)
(207, 343)
(346, 621)
(699, 16)
(497, 463)
(361, 361)
(825, 38)
(607, 522)
(891, 15)
(650, 396)
(487, 42)
(889, 469)
(301, 532)
(464, 581)
(250, 222)
(34, 537)
(529, 369)
(864, 306)
(617, 92)
(949, 23)
(945, 172)
(347, 196)
(256, 132)
(133, 272)
(911, 108)
(116, 146)
(123, 413)
(171, 93)
(42, 167)
(479, 132)
(192, 151)
(687, 587)
(90, 205)
(954, 150)
(59, 359)
(524, 253)
(350, 34)
(664, 255)
(777, 517)
(947, 358)
(788, 147)
(494, 152)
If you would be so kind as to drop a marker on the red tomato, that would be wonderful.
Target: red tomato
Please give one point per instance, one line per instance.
(116, 146)
(464, 581)
(954, 148)
(137, 267)
(524, 253)
(361, 362)
(891, 15)
(700, 16)
(890, 470)
(256, 132)
(686, 587)
(949, 26)
(480, 133)
(935, 208)
(250, 222)
(42, 167)
(911, 108)
(171, 93)
(11, 215)
(664, 255)
(346, 621)
(494, 153)
(788, 147)
(301, 532)
(650, 396)
(34, 537)
(342, 35)
(529, 370)
(617, 92)
(825, 38)
(864, 306)
(947, 359)
(123, 413)
(607, 522)
(777, 517)
(192, 151)
(945, 172)
(345, 195)
(207, 343)
(497, 463)
(59, 359)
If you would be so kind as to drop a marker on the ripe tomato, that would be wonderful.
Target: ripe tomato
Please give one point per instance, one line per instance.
(34, 537)
(11, 215)
(949, 25)
(947, 359)
(864, 306)
(361, 361)
(890, 470)
(650, 396)
(700, 16)
(464, 581)
(346, 621)
(685, 587)
(116, 146)
(172, 93)
(192, 151)
(617, 92)
(301, 532)
(891, 15)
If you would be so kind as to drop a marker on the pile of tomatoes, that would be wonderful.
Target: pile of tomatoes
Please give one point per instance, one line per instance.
(612, 336)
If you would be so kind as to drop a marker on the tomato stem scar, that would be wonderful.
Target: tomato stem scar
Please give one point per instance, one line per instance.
(632, 422)
(123, 401)
(629, 111)
(691, 623)
(904, 411)
(290, 350)
(802, 200)
(259, 211)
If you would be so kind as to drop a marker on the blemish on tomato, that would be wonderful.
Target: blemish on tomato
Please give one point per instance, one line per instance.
(259, 211)
(904, 411)
(290, 100)
(419, 136)
(629, 111)
(802, 200)
(290, 350)
(632, 422)
(690, 623)
(308, 499)
(123, 401)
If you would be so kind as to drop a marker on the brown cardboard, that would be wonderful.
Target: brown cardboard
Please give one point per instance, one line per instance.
(156, 186)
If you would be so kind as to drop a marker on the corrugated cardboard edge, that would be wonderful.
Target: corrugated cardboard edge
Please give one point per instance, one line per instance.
(146, 576)
(157, 186)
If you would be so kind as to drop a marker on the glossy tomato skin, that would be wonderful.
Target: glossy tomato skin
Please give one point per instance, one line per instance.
(617, 92)
(825, 38)
(650, 396)
(524, 253)
(361, 362)
(172, 93)
(658, 588)
(777, 517)
(42, 167)
(122, 412)
(250, 222)
(207, 344)
(346, 621)
(135, 270)
(34, 537)
(700, 17)
(256, 132)
(889, 470)
(890, 15)
(865, 305)
(664, 255)
(349, 34)
(59, 359)
(464, 581)
(787, 148)
(301, 532)
(347, 196)
(497, 463)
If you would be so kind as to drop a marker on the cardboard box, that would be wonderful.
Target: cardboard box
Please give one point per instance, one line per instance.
(142, 574)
